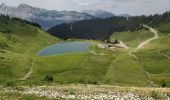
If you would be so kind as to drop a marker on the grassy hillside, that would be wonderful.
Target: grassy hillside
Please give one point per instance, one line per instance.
(23, 41)
(132, 39)
(104, 67)
(164, 28)
(19, 43)
(155, 59)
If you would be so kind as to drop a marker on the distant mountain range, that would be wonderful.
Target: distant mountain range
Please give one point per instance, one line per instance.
(103, 14)
(50, 18)
(124, 15)
(46, 18)
(99, 13)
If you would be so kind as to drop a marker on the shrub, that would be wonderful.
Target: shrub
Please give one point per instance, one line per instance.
(10, 83)
(49, 77)
(82, 81)
(163, 84)
(3, 43)
(116, 41)
(94, 82)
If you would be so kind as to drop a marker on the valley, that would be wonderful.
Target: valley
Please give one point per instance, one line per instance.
(103, 66)
(131, 63)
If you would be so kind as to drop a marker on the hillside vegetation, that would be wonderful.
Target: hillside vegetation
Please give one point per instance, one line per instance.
(132, 39)
(154, 57)
(84, 92)
(19, 43)
(19, 64)
(101, 29)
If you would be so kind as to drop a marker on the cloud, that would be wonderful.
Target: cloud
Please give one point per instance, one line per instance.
(84, 4)
(126, 0)
(104, 6)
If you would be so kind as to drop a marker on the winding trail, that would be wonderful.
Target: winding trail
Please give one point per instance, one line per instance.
(164, 55)
(156, 36)
(123, 45)
(131, 53)
(29, 73)
(93, 52)
(26, 52)
(142, 45)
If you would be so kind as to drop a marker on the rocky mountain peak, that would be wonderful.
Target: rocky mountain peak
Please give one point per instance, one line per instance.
(24, 6)
(3, 5)
(46, 18)
(99, 13)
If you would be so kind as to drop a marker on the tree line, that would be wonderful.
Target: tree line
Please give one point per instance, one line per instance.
(7, 19)
(101, 29)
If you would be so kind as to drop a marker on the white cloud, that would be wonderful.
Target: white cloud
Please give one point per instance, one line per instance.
(84, 4)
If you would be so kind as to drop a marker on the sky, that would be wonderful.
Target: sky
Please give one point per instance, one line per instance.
(132, 7)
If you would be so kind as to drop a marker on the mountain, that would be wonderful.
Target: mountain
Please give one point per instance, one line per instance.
(124, 15)
(101, 29)
(99, 13)
(46, 18)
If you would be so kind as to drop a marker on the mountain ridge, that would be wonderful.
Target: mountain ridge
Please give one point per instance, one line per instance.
(101, 29)
(99, 13)
(46, 18)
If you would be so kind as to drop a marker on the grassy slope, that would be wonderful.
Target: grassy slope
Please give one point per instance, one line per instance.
(132, 39)
(152, 58)
(154, 61)
(72, 68)
(114, 67)
(88, 68)
(22, 42)
(164, 28)
(125, 71)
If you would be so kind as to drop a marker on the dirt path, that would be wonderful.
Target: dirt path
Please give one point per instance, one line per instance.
(156, 36)
(93, 52)
(29, 73)
(164, 55)
(133, 55)
(123, 45)
(140, 46)
(26, 52)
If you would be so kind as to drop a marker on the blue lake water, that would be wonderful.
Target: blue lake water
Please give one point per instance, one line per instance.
(66, 47)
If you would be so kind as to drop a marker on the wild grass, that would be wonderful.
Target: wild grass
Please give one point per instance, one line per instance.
(20, 43)
(132, 39)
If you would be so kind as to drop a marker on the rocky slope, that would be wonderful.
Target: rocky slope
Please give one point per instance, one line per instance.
(99, 13)
(46, 18)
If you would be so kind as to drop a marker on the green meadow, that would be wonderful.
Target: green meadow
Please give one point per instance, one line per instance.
(20, 43)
